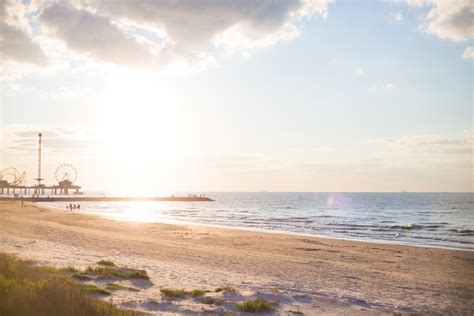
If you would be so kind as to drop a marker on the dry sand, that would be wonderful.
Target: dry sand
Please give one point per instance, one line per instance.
(311, 275)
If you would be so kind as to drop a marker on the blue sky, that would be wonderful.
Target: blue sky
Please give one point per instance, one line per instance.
(363, 97)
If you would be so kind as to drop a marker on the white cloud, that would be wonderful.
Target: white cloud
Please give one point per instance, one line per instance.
(447, 19)
(95, 36)
(397, 17)
(23, 138)
(388, 86)
(431, 143)
(148, 34)
(359, 71)
(16, 44)
(205, 22)
(468, 53)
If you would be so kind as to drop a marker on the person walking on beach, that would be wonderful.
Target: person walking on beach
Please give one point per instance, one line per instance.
(78, 206)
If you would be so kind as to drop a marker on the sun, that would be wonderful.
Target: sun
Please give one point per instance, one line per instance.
(140, 122)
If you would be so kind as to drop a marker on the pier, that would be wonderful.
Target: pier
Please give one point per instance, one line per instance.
(66, 190)
(17, 190)
(107, 199)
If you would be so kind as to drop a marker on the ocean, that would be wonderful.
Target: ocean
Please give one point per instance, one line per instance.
(425, 219)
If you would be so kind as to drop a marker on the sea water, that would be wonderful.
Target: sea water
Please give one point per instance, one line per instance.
(427, 219)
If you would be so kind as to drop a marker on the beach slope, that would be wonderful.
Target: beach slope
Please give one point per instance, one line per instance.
(309, 275)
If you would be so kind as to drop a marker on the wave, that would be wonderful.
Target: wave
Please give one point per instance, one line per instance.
(462, 231)
(406, 226)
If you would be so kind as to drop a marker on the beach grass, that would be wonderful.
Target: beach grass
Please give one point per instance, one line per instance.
(226, 289)
(54, 270)
(94, 289)
(198, 292)
(68, 269)
(81, 277)
(26, 289)
(211, 301)
(117, 287)
(255, 306)
(174, 293)
(108, 272)
(109, 263)
(138, 274)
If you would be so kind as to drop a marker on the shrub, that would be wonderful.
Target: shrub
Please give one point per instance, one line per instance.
(198, 292)
(138, 274)
(116, 287)
(258, 305)
(29, 290)
(81, 277)
(109, 263)
(94, 289)
(228, 289)
(107, 272)
(174, 293)
(211, 301)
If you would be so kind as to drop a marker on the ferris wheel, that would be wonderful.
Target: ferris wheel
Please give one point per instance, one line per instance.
(66, 171)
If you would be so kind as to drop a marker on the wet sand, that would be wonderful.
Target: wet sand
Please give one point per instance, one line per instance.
(311, 275)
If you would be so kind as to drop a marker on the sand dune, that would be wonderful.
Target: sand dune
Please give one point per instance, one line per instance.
(311, 275)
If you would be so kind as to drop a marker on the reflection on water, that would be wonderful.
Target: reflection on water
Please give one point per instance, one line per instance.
(437, 219)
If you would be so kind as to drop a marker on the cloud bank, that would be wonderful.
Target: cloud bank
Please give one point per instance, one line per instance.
(147, 34)
(447, 19)
(16, 44)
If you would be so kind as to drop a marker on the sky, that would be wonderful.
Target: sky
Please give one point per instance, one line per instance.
(145, 97)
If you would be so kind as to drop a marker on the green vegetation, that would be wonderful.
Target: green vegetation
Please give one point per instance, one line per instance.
(198, 292)
(174, 293)
(295, 312)
(255, 306)
(68, 269)
(138, 274)
(94, 289)
(81, 277)
(109, 263)
(117, 287)
(29, 290)
(106, 272)
(213, 314)
(55, 270)
(211, 301)
(180, 293)
(226, 289)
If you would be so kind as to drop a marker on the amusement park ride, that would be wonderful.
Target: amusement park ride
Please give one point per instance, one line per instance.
(14, 182)
(13, 187)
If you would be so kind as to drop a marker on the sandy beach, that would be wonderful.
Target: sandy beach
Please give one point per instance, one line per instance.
(309, 275)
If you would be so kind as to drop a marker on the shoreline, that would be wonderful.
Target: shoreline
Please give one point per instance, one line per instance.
(106, 199)
(310, 274)
(258, 230)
